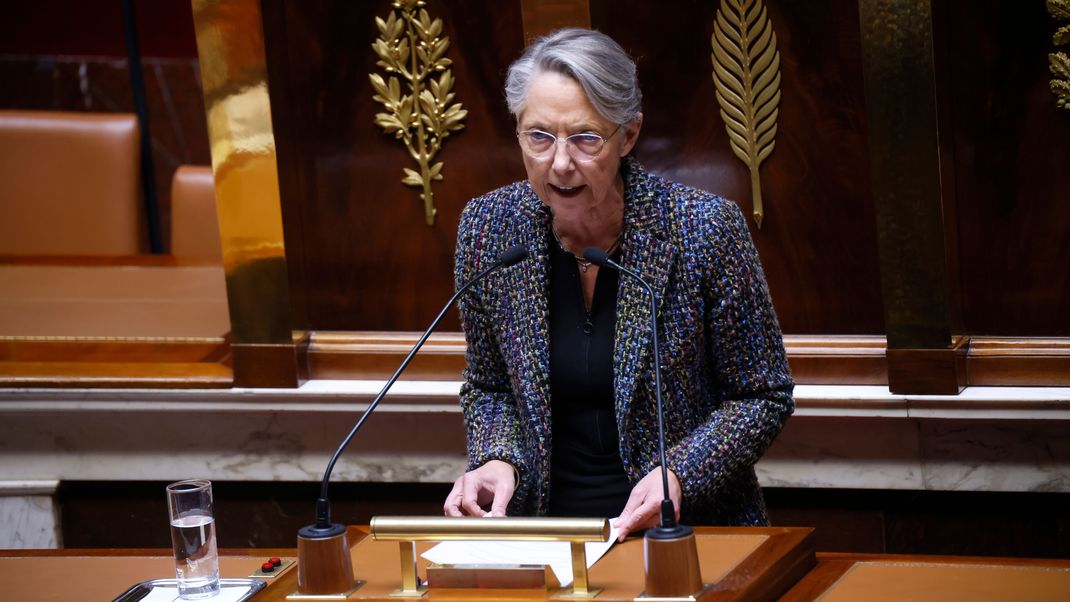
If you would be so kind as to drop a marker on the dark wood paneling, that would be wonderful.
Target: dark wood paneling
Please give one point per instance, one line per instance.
(1011, 150)
(369, 260)
(376, 355)
(818, 239)
(95, 28)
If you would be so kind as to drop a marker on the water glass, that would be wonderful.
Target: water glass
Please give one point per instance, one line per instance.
(189, 504)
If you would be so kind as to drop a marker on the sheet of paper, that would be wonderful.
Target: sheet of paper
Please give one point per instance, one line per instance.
(556, 554)
(170, 594)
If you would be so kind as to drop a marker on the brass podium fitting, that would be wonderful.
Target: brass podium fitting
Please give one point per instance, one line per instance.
(409, 529)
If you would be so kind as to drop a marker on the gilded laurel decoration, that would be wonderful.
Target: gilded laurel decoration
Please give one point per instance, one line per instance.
(1059, 62)
(746, 71)
(411, 47)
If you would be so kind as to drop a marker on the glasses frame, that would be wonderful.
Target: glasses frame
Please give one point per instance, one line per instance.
(570, 147)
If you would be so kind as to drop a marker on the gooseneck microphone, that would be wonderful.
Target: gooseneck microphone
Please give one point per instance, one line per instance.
(323, 526)
(324, 566)
(668, 510)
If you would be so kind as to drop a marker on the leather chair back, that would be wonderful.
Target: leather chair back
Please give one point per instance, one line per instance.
(69, 183)
(194, 223)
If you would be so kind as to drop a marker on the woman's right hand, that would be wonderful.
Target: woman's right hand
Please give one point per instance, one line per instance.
(493, 483)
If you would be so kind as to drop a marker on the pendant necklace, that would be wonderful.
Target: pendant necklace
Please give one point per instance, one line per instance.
(582, 261)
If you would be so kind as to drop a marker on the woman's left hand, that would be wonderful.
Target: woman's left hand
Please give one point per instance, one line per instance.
(643, 509)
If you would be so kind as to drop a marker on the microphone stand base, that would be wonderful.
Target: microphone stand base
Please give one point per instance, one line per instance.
(324, 567)
(339, 596)
(671, 560)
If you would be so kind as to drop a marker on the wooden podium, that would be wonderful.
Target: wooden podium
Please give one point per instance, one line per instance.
(742, 564)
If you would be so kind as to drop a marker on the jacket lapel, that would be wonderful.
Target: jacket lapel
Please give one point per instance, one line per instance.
(527, 325)
(646, 250)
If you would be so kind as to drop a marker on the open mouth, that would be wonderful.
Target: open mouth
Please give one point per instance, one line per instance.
(567, 191)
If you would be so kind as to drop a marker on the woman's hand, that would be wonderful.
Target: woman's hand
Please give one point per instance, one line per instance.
(493, 483)
(643, 509)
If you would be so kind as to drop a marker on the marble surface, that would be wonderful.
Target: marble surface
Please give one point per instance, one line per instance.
(28, 515)
(986, 439)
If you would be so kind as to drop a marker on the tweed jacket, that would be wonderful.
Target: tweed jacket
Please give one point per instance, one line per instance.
(726, 387)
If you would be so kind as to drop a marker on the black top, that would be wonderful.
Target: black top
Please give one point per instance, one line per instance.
(587, 476)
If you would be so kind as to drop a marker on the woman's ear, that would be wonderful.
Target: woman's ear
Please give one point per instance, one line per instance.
(631, 135)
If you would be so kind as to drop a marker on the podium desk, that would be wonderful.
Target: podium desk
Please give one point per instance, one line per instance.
(893, 578)
(757, 563)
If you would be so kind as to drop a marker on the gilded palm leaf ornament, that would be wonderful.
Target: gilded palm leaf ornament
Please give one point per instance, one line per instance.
(410, 46)
(746, 72)
(1059, 62)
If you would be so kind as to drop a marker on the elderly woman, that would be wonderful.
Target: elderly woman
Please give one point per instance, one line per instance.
(558, 393)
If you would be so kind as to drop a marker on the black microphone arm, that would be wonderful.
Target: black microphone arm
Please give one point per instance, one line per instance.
(511, 256)
(601, 259)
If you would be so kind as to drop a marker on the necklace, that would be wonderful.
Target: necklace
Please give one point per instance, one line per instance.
(582, 261)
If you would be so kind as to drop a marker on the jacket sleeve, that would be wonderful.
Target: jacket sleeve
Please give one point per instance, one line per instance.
(491, 418)
(750, 386)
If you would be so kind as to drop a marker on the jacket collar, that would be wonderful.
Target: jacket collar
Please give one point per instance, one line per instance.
(647, 250)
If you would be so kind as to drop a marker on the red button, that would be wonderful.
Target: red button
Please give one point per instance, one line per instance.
(267, 567)
(275, 561)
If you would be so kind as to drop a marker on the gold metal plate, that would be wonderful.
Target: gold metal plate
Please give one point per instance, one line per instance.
(342, 596)
(260, 574)
(692, 598)
(571, 594)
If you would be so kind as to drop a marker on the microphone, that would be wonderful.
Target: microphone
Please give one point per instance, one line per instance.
(323, 528)
(670, 551)
(601, 259)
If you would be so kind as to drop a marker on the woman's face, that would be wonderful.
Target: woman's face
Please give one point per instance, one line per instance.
(556, 104)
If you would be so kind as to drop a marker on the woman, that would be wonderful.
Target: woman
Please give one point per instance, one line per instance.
(558, 394)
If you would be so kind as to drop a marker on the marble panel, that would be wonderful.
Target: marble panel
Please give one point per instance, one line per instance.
(995, 456)
(28, 518)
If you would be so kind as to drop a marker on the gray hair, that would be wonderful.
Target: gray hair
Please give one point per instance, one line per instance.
(606, 73)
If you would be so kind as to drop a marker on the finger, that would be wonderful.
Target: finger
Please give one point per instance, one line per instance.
(470, 495)
(450, 506)
(502, 494)
(626, 520)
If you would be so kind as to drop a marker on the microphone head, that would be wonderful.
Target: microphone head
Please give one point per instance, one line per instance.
(596, 256)
(513, 255)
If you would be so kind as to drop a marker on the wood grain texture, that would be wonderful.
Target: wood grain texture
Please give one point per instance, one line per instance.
(818, 238)
(1008, 147)
(365, 258)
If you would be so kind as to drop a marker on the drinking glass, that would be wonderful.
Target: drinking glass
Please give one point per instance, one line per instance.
(193, 537)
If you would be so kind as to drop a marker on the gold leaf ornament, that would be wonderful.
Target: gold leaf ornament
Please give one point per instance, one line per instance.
(746, 73)
(1059, 62)
(411, 48)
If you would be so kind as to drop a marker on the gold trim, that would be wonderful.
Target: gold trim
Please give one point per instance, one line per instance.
(746, 71)
(410, 46)
(107, 339)
(441, 528)
(1059, 62)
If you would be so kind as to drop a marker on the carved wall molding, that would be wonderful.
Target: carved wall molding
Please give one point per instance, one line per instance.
(746, 71)
(411, 46)
(1059, 62)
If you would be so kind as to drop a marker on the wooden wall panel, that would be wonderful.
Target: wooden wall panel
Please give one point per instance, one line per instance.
(818, 239)
(368, 261)
(1010, 150)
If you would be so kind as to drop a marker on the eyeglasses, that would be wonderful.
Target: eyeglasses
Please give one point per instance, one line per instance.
(584, 146)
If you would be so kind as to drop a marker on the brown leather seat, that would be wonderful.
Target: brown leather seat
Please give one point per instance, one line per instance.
(194, 224)
(69, 183)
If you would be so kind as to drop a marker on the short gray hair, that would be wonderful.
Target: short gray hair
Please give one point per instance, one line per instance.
(606, 73)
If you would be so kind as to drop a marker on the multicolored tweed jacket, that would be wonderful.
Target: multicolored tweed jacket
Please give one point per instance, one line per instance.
(726, 386)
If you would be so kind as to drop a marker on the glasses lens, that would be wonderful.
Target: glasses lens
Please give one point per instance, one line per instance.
(537, 142)
(587, 145)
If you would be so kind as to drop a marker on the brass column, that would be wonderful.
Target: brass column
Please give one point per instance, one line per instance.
(900, 87)
(230, 45)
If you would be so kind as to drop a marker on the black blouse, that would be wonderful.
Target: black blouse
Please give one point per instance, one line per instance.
(587, 475)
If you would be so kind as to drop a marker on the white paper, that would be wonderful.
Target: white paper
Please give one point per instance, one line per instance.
(556, 554)
(163, 593)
